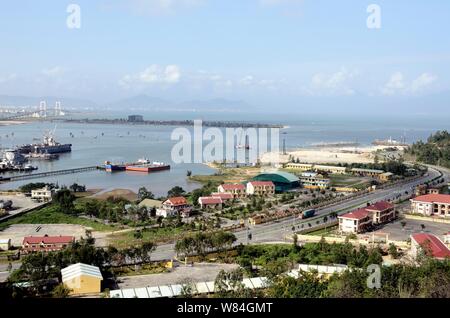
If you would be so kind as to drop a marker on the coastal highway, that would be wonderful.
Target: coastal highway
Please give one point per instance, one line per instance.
(276, 231)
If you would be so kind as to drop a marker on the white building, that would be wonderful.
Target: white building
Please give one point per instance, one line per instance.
(360, 220)
(354, 222)
(261, 188)
(166, 213)
(44, 195)
(431, 204)
(237, 190)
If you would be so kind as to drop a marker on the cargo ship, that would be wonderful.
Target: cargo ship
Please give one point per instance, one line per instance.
(48, 146)
(144, 165)
(110, 167)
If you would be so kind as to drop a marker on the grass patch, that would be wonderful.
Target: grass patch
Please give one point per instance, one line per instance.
(155, 235)
(52, 215)
(324, 232)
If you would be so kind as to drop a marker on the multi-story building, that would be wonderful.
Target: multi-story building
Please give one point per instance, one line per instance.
(261, 188)
(312, 167)
(135, 118)
(355, 222)
(434, 190)
(46, 243)
(367, 172)
(42, 195)
(360, 220)
(314, 180)
(430, 245)
(330, 169)
(237, 190)
(431, 204)
(299, 166)
(381, 212)
(421, 189)
(173, 206)
(176, 203)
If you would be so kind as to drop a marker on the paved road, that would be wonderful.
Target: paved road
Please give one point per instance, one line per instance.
(4, 273)
(275, 232)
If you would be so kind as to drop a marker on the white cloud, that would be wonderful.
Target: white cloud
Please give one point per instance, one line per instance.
(398, 85)
(154, 74)
(395, 84)
(246, 80)
(172, 74)
(337, 83)
(53, 72)
(422, 82)
(7, 78)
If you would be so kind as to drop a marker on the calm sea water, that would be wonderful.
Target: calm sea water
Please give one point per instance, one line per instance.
(125, 143)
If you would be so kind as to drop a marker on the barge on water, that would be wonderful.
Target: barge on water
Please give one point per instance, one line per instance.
(148, 167)
(110, 167)
(143, 165)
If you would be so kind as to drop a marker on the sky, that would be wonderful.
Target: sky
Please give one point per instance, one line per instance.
(275, 54)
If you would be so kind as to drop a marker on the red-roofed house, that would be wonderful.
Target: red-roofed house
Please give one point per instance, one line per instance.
(210, 202)
(173, 206)
(260, 188)
(45, 243)
(430, 245)
(381, 212)
(355, 222)
(358, 221)
(431, 204)
(175, 203)
(237, 190)
(226, 197)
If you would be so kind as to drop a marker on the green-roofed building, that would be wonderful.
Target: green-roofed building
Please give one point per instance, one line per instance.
(283, 181)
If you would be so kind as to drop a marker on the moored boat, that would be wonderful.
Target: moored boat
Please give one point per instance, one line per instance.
(148, 167)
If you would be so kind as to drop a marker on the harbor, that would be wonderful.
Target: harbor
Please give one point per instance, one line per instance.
(94, 144)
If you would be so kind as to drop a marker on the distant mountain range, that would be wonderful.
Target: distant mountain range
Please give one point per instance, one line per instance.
(136, 103)
(7, 100)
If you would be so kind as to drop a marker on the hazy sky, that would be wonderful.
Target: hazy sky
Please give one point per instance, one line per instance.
(285, 53)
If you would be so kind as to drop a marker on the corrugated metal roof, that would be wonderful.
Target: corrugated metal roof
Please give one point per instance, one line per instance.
(175, 290)
(79, 269)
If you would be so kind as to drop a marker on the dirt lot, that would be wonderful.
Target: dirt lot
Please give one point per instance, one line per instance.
(20, 202)
(398, 233)
(181, 274)
(123, 193)
(17, 232)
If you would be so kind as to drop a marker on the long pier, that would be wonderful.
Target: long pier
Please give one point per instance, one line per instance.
(49, 174)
